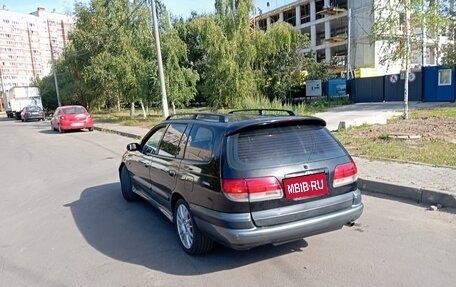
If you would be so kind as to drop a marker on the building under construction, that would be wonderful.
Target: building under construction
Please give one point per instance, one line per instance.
(339, 34)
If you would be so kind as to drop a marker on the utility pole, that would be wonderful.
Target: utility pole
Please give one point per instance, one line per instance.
(407, 58)
(56, 83)
(161, 74)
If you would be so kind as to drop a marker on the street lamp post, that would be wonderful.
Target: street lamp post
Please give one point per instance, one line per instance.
(56, 83)
(159, 59)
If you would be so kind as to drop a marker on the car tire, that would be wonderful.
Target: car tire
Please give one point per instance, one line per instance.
(192, 240)
(126, 186)
(91, 129)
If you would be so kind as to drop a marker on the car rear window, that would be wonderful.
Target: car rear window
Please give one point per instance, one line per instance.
(74, 110)
(34, 109)
(281, 146)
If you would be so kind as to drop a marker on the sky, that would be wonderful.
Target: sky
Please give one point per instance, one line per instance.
(176, 7)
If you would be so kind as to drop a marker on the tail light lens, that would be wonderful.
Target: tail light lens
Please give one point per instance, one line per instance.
(62, 117)
(345, 174)
(252, 189)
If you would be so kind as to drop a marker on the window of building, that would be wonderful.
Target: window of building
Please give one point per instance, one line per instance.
(305, 13)
(274, 18)
(263, 24)
(289, 16)
(445, 77)
(319, 9)
(339, 4)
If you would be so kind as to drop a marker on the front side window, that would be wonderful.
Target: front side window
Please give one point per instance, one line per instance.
(151, 145)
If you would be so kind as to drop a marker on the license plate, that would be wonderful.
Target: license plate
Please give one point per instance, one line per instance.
(77, 124)
(305, 186)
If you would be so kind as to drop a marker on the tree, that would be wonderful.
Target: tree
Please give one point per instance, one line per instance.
(279, 59)
(395, 26)
(180, 77)
(236, 61)
(427, 16)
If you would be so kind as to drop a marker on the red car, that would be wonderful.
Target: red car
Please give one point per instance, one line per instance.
(71, 118)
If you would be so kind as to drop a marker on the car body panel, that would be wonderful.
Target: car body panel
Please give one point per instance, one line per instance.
(192, 169)
(32, 113)
(72, 118)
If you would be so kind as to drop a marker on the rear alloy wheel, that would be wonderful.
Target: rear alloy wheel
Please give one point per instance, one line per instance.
(192, 240)
(126, 187)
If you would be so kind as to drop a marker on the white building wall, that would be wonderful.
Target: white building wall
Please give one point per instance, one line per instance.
(25, 39)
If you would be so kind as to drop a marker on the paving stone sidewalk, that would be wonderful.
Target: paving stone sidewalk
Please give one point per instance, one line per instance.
(420, 183)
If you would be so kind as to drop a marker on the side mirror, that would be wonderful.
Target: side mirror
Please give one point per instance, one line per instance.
(133, 147)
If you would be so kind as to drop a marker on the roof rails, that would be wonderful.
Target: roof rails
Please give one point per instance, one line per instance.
(201, 116)
(221, 118)
(261, 112)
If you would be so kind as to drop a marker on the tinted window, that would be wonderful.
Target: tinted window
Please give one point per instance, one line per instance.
(281, 145)
(34, 109)
(74, 110)
(151, 145)
(200, 144)
(170, 145)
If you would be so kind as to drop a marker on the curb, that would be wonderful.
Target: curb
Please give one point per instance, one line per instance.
(111, 131)
(418, 195)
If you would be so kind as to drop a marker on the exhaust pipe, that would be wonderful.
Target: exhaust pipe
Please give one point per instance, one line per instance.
(350, 223)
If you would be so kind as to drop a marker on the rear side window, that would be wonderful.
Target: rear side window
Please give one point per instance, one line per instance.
(200, 144)
(170, 144)
(281, 146)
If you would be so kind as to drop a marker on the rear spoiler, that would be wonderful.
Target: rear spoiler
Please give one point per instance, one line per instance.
(277, 122)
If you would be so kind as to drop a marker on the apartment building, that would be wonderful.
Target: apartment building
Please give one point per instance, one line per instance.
(28, 43)
(339, 29)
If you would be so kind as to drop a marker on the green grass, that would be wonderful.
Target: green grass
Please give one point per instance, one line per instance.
(432, 152)
(446, 111)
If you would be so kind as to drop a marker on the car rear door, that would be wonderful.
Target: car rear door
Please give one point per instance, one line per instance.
(300, 159)
(164, 167)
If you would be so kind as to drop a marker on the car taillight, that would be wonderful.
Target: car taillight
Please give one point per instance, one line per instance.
(62, 117)
(252, 189)
(345, 174)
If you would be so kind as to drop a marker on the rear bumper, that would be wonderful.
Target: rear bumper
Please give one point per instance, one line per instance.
(34, 117)
(74, 125)
(252, 236)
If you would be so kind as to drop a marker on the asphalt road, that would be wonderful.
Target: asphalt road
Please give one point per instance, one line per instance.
(63, 222)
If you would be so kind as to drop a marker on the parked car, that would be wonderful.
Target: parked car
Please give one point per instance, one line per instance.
(71, 118)
(243, 179)
(32, 113)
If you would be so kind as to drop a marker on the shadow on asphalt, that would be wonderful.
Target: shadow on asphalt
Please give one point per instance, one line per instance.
(137, 233)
